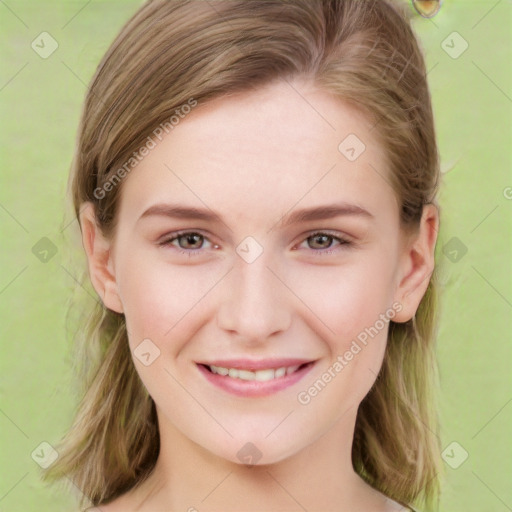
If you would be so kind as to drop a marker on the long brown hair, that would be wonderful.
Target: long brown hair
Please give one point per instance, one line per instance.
(172, 52)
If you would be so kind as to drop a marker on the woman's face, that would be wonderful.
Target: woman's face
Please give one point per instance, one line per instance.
(291, 266)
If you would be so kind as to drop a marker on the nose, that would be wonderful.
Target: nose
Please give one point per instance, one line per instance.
(254, 304)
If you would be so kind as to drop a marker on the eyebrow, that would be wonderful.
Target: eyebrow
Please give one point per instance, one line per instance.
(295, 217)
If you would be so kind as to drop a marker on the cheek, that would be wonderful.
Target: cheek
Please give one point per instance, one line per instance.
(352, 306)
(159, 298)
(346, 300)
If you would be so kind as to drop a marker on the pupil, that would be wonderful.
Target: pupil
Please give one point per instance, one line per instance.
(322, 239)
(190, 239)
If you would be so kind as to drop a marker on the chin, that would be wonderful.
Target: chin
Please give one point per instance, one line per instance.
(259, 451)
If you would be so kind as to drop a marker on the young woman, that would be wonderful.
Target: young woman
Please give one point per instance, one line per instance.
(255, 182)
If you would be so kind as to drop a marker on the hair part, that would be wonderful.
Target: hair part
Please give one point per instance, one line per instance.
(364, 52)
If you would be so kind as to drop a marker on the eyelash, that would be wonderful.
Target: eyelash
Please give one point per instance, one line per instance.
(196, 252)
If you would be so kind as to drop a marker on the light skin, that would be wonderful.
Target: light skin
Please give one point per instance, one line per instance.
(254, 159)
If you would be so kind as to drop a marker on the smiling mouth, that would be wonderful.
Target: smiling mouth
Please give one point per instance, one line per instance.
(263, 375)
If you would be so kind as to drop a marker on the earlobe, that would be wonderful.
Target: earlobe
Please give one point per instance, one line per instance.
(98, 251)
(417, 265)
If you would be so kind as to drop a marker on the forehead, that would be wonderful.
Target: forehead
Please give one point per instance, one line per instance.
(258, 154)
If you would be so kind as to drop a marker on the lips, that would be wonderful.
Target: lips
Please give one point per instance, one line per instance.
(244, 377)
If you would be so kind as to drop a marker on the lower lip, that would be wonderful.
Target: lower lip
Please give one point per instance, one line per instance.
(254, 388)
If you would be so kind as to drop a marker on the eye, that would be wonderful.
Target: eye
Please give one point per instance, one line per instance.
(192, 243)
(188, 242)
(322, 241)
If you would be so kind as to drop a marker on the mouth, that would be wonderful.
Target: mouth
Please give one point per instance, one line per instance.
(245, 378)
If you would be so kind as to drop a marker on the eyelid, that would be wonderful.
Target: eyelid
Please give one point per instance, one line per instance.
(329, 232)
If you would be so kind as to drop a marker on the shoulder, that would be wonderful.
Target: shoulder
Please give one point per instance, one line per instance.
(119, 504)
(396, 506)
(104, 508)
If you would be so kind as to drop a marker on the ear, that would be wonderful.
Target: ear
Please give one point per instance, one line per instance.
(417, 264)
(99, 256)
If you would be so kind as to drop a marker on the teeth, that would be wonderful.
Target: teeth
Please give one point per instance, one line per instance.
(245, 375)
(259, 375)
(280, 372)
(292, 369)
(219, 370)
(264, 375)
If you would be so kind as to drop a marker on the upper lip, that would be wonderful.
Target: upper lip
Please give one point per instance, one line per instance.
(259, 364)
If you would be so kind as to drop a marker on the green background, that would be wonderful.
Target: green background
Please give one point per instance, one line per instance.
(40, 101)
